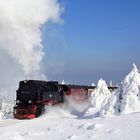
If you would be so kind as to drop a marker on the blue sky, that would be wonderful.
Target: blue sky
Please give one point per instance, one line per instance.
(98, 39)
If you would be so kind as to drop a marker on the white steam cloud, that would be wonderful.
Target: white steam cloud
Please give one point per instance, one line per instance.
(20, 34)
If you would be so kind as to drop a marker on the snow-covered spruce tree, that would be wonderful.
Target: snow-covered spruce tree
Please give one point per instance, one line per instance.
(127, 98)
(99, 96)
(6, 103)
(98, 99)
(63, 82)
(112, 106)
(131, 92)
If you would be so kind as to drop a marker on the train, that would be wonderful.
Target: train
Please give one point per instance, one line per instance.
(33, 95)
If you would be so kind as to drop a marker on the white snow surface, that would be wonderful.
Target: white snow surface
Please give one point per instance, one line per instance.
(63, 126)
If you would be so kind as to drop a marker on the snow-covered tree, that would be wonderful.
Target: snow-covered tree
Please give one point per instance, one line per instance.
(92, 84)
(127, 98)
(131, 92)
(112, 106)
(98, 99)
(7, 98)
(100, 94)
(63, 82)
(111, 83)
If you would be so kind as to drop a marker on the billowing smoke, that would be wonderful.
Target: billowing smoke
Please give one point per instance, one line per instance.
(21, 49)
(20, 34)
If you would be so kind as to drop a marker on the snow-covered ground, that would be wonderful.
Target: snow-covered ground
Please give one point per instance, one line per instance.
(63, 126)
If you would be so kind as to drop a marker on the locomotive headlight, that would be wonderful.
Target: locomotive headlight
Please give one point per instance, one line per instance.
(30, 101)
(25, 81)
(18, 101)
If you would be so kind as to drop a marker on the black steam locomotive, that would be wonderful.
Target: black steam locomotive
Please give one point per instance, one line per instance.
(33, 95)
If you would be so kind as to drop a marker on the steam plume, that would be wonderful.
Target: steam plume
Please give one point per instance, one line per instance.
(20, 35)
